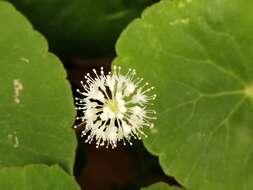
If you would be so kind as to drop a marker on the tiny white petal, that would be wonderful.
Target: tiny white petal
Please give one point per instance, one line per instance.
(130, 89)
(126, 128)
(122, 109)
(120, 116)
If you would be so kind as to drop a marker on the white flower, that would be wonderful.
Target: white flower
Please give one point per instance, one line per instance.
(114, 107)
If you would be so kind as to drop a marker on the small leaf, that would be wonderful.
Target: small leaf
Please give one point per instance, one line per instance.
(161, 186)
(198, 55)
(36, 106)
(36, 177)
(88, 27)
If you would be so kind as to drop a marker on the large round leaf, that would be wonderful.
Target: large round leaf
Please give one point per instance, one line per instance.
(36, 106)
(198, 55)
(36, 177)
(87, 27)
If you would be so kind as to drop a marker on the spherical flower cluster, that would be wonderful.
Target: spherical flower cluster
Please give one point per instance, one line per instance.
(114, 107)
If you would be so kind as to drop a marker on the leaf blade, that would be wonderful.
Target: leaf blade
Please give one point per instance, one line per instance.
(201, 72)
(36, 177)
(36, 100)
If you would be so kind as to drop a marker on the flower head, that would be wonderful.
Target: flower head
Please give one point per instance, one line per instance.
(114, 107)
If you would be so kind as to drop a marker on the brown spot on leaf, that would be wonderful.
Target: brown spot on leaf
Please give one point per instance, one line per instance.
(18, 87)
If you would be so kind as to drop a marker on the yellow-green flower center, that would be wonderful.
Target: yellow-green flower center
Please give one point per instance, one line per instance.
(113, 105)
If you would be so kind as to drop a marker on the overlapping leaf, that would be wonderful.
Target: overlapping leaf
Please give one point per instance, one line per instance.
(36, 177)
(198, 55)
(36, 106)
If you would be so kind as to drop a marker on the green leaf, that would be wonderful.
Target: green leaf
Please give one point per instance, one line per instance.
(36, 106)
(87, 27)
(161, 186)
(198, 55)
(36, 177)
